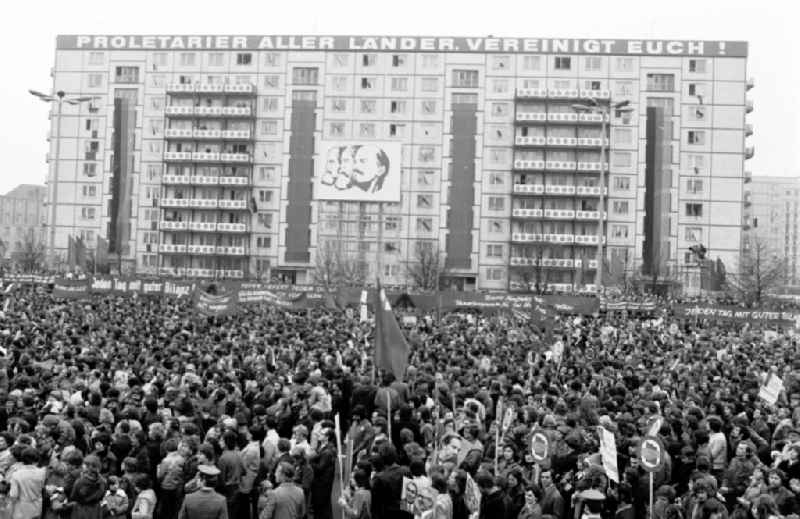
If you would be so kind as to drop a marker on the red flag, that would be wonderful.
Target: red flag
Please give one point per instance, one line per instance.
(391, 348)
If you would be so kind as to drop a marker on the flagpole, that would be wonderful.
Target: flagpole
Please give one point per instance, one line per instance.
(389, 413)
(498, 425)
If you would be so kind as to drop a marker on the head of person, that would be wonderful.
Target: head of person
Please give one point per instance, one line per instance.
(284, 472)
(775, 478)
(370, 168)
(451, 445)
(91, 464)
(344, 175)
(331, 166)
(546, 478)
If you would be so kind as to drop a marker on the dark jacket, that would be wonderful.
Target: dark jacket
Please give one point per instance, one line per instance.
(387, 488)
(494, 506)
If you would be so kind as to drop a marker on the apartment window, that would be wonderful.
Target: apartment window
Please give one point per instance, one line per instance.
(623, 116)
(620, 206)
(624, 64)
(425, 177)
(694, 186)
(465, 78)
(563, 63)
(424, 224)
(265, 220)
(95, 80)
(494, 250)
(272, 59)
(154, 146)
(399, 84)
(397, 107)
(500, 86)
(270, 104)
(697, 112)
(498, 155)
(367, 106)
(265, 196)
(427, 154)
(305, 75)
(496, 226)
(619, 231)
(499, 109)
(88, 213)
(157, 103)
(623, 136)
(369, 60)
(693, 234)
(244, 58)
(697, 65)
(272, 81)
(430, 61)
(89, 191)
(430, 84)
(592, 85)
(160, 59)
(367, 130)
(336, 129)
(368, 83)
(428, 106)
(341, 59)
(264, 242)
(530, 62)
(495, 274)
(266, 173)
(622, 159)
(399, 60)
(153, 172)
(88, 236)
(501, 62)
(530, 83)
(97, 58)
(622, 183)
(562, 84)
(339, 83)
(424, 201)
(392, 223)
(216, 59)
(624, 89)
(269, 127)
(694, 210)
(697, 89)
(496, 179)
(397, 130)
(497, 203)
(661, 82)
(338, 104)
(592, 63)
(696, 137)
(187, 59)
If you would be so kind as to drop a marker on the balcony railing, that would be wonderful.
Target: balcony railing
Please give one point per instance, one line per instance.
(556, 189)
(587, 215)
(594, 142)
(749, 152)
(521, 212)
(528, 164)
(559, 214)
(230, 274)
(174, 202)
(176, 179)
(203, 226)
(178, 133)
(748, 130)
(210, 88)
(234, 181)
(204, 156)
(590, 264)
(535, 237)
(748, 176)
(230, 251)
(208, 111)
(231, 227)
(562, 141)
(559, 238)
(563, 93)
(595, 94)
(207, 134)
(562, 117)
(165, 225)
(561, 165)
(589, 190)
(543, 262)
(234, 157)
(531, 116)
(521, 140)
(586, 239)
(232, 204)
(179, 110)
(532, 189)
(237, 111)
(236, 134)
(532, 93)
(205, 180)
(171, 248)
(591, 166)
(180, 88)
(201, 249)
(525, 237)
(751, 82)
(748, 105)
(178, 155)
(592, 118)
(239, 89)
(203, 203)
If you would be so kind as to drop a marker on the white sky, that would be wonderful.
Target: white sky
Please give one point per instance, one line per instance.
(27, 37)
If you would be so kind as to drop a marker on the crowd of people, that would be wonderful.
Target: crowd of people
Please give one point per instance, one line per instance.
(140, 408)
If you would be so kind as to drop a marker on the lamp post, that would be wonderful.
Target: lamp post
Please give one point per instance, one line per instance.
(604, 110)
(60, 98)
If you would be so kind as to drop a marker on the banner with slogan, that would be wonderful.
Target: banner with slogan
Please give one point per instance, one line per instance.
(215, 305)
(71, 288)
(735, 313)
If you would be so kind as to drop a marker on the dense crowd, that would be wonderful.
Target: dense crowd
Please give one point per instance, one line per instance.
(139, 408)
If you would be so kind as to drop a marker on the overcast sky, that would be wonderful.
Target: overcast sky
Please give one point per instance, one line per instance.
(27, 36)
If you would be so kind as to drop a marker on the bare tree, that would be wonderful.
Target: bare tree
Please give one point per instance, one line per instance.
(534, 275)
(426, 270)
(30, 255)
(760, 271)
(334, 269)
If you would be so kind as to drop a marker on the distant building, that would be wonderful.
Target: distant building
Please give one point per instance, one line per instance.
(21, 213)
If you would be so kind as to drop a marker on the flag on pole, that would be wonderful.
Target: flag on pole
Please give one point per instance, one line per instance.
(608, 451)
(391, 348)
(101, 254)
(80, 253)
(363, 316)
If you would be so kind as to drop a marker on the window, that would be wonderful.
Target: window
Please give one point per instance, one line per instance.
(89, 191)
(494, 250)
(697, 89)
(392, 223)
(693, 234)
(272, 59)
(563, 63)
(187, 59)
(269, 127)
(270, 104)
(368, 83)
(424, 201)
(697, 112)
(339, 83)
(272, 81)
(369, 60)
(499, 109)
(694, 210)
(97, 58)
(498, 155)
(592, 85)
(397, 107)
(622, 159)
(530, 83)
(337, 129)
(501, 62)
(264, 242)
(592, 63)
(494, 274)
(160, 59)
(624, 89)
(624, 116)
(265, 220)
(531, 62)
(397, 130)
(399, 84)
(697, 137)
(424, 224)
(367, 106)
(399, 60)
(244, 58)
(305, 75)
(341, 59)
(697, 65)
(430, 84)
(153, 172)
(661, 82)
(366, 130)
(624, 64)
(465, 78)
(697, 162)
(266, 173)
(88, 213)
(425, 177)
(95, 80)
(428, 106)
(154, 146)
(619, 231)
(216, 59)
(338, 104)
(496, 179)
(265, 196)
(427, 154)
(694, 186)
(623, 136)
(157, 103)
(620, 206)
(500, 86)
(430, 61)
(622, 183)
(497, 203)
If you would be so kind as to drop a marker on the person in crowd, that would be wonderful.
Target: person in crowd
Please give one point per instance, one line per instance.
(206, 503)
(286, 501)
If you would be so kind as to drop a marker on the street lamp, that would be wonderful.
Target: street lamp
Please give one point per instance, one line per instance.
(60, 97)
(604, 110)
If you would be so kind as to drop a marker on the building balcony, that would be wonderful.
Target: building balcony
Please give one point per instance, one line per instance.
(202, 226)
(525, 164)
(561, 165)
(201, 249)
(535, 237)
(532, 116)
(236, 134)
(748, 130)
(208, 111)
(171, 248)
(751, 82)
(521, 140)
(237, 111)
(748, 105)
(234, 157)
(529, 189)
(521, 212)
(174, 202)
(595, 94)
(559, 238)
(204, 180)
(587, 239)
(210, 88)
(587, 215)
(532, 93)
(232, 204)
(232, 227)
(227, 250)
(592, 142)
(207, 134)
(562, 117)
(205, 156)
(234, 181)
(559, 214)
(590, 264)
(563, 93)
(227, 273)
(178, 156)
(589, 191)
(587, 117)
(558, 189)
(559, 287)
(176, 179)
(592, 166)
(523, 261)
(180, 88)
(178, 133)
(240, 89)
(179, 110)
(165, 225)
(749, 152)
